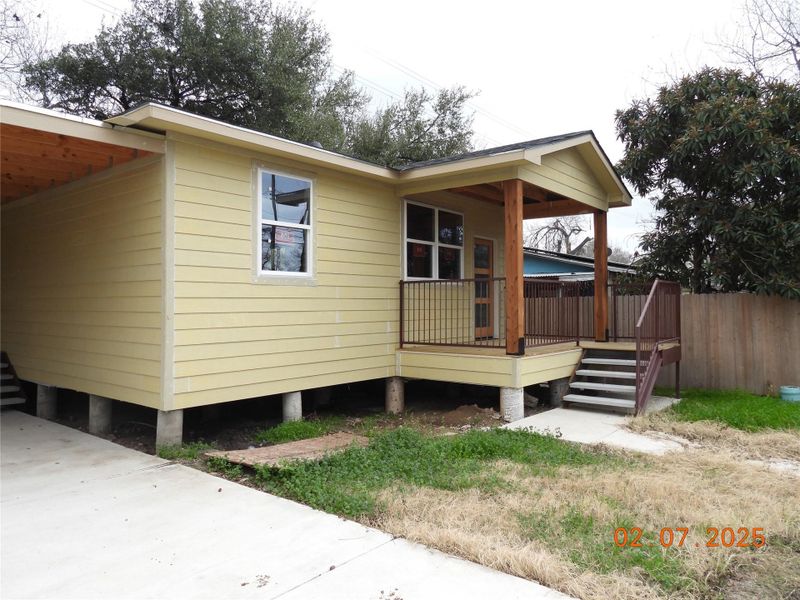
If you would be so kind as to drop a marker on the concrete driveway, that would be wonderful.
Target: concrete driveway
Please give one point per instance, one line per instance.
(85, 518)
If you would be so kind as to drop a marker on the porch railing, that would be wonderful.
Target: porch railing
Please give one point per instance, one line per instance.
(471, 312)
(453, 312)
(659, 323)
(552, 312)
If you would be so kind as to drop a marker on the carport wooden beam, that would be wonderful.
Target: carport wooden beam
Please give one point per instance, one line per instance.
(35, 160)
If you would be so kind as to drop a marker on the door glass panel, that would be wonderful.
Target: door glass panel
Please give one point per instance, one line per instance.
(481, 286)
(481, 256)
(481, 315)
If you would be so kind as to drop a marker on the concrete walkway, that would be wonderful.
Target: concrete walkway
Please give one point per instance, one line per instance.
(85, 518)
(595, 427)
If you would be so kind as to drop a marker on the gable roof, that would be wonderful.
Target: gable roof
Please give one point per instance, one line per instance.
(496, 150)
(157, 120)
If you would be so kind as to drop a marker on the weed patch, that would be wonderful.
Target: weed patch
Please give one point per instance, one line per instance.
(190, 451)
(348, 483)
(292, 431)
(225, 467)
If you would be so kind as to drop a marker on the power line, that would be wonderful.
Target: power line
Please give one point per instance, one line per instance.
(427, 81)
(107, 9)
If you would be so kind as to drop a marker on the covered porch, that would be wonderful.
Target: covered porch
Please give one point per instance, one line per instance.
(496, 327)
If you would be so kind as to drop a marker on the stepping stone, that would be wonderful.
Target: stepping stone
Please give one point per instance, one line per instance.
(310, 449)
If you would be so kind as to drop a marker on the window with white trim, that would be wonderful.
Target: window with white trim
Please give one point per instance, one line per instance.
(284, 208)
(434, 243)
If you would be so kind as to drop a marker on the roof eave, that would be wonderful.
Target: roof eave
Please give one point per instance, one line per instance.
(155, 117)
(42, 119)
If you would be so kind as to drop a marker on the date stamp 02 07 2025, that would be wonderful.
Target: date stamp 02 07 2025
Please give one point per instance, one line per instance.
(727, 537)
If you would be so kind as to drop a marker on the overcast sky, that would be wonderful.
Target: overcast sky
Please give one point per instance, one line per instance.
(540, 68)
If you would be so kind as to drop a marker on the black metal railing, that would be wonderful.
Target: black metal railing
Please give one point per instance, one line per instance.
(471, 312)
(453, 312)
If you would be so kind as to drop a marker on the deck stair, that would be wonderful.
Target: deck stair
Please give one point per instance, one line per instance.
(605, 379)
(11, 391)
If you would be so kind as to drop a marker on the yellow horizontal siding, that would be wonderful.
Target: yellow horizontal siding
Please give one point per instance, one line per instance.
(218, 335)
(81, 281)
(457, 368)
(236, 337)
(351, 373)
(547, 367)
(566, 172)
(277, 345)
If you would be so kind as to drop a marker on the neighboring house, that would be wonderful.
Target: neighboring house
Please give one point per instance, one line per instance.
(567, 267)
(173, 261)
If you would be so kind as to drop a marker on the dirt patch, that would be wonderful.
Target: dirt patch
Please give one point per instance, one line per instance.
(470, 414)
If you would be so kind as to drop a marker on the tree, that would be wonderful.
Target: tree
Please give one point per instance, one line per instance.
(24, 37)
(557, 235)
(245, 62)
(720, 152)
(620, 255)
(419, 127)
(615, 253)
(768, 42)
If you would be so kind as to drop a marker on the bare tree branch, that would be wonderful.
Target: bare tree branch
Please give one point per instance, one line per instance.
(768, 43)
(24, 38)
(561, 234)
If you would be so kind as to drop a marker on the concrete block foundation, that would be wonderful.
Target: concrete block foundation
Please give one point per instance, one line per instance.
(512, 404)
(395, 395)
(99, 415)
(558, 389)
(169, 428)
(292, 406)
(46, 401)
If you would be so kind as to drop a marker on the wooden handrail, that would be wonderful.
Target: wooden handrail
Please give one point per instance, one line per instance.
(658, 322)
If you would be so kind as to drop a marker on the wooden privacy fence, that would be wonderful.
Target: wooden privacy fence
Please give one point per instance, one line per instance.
(738, 341)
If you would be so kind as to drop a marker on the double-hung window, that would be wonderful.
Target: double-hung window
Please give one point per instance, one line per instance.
(434, 244)
(284, 206)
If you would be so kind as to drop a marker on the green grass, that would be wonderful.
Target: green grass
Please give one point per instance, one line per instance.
(225, 467)
(737, 409)
(297, 430)
(589, 544)
(191, 451)
(349, 482)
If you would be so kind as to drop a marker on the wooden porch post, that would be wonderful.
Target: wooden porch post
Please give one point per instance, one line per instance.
(515, 307)
(600, 276)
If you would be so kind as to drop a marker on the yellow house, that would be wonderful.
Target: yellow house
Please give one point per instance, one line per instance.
(174, 261)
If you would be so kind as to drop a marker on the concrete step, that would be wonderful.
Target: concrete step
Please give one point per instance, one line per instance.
(614, 362)
(603, 387)
(611, 374)
(7, 389)
(11, 401)
(599, 400)
(5, 376)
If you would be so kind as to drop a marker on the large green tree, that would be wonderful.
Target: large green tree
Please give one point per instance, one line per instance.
(719, 153)
(251, 63)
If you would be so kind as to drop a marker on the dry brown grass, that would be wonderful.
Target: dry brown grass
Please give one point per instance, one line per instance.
(520, 529)
(764, 445)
